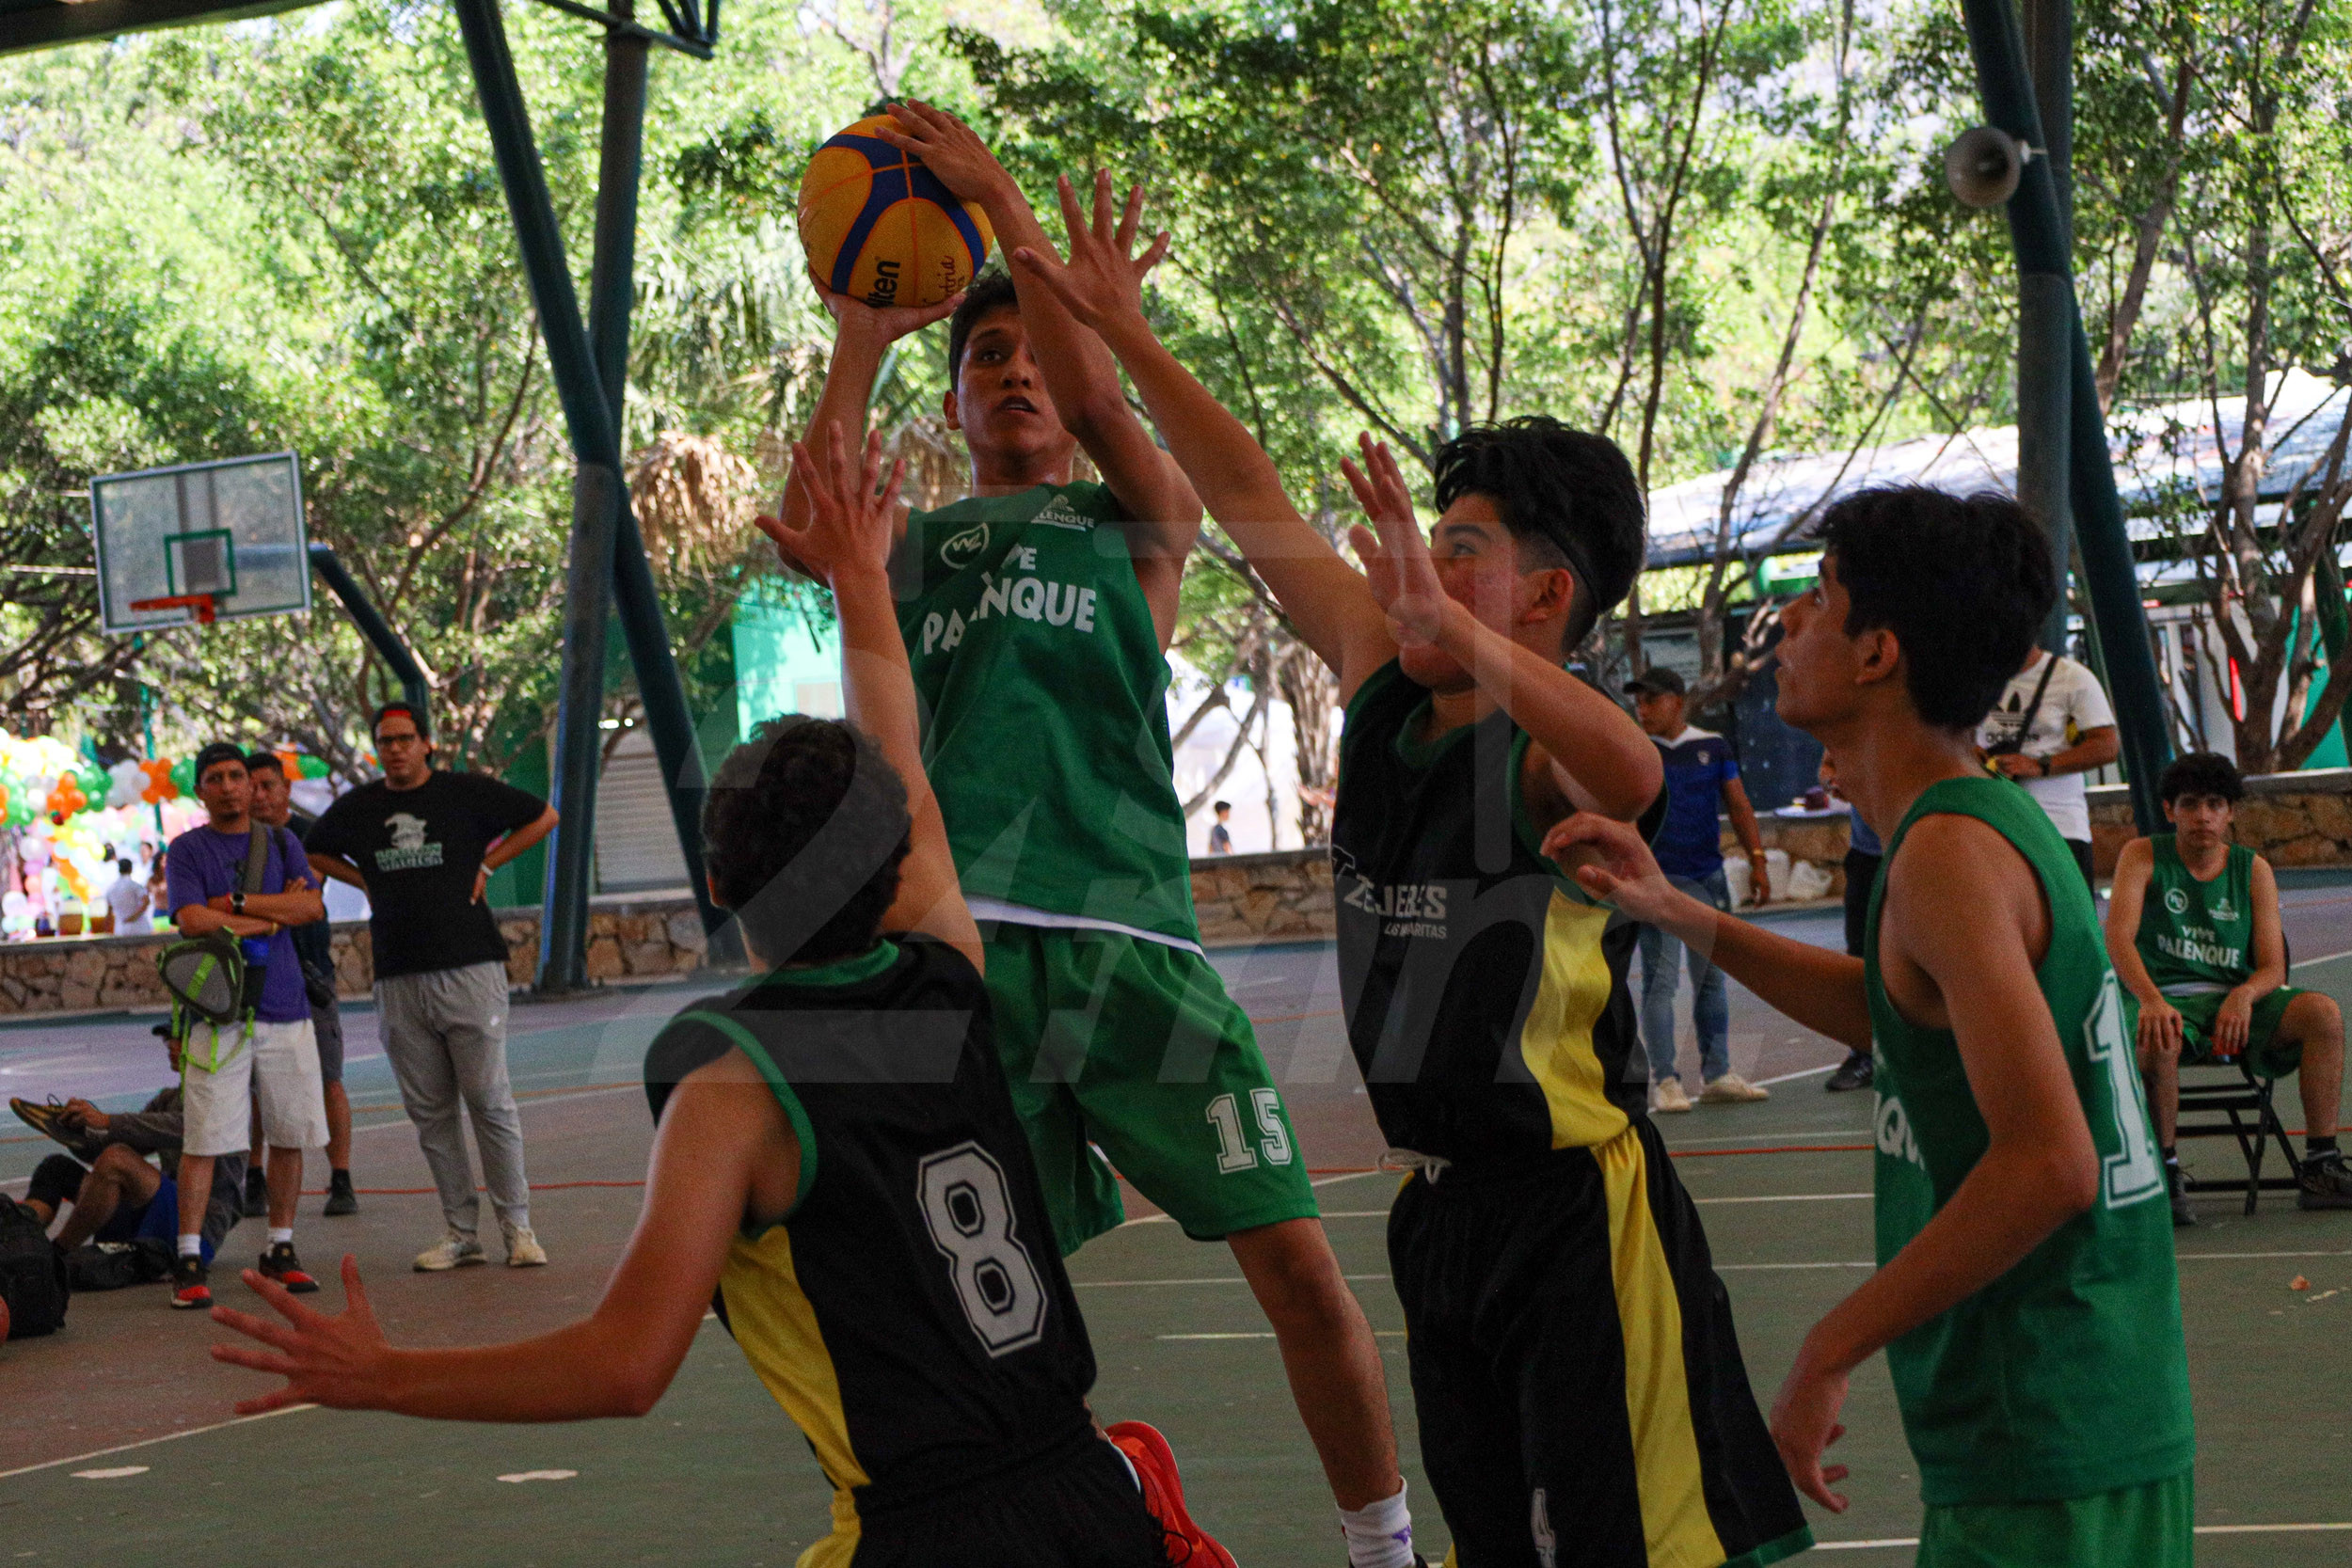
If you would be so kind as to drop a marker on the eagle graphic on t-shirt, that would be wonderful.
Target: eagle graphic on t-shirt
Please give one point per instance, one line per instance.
(408, 850)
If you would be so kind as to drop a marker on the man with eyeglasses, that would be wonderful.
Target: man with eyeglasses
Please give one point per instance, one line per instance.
(423, 841)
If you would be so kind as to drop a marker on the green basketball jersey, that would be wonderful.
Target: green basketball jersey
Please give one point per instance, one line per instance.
(1044, 692)
(2196, 936)
(2067, 1375)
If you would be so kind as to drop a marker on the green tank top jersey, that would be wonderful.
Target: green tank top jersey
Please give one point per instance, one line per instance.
(1044, 696)
(2197, 937)
(2068, 1374)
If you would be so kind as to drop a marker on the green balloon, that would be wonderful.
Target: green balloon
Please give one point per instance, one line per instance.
(184, 775)
(313, 768)
(96, 786)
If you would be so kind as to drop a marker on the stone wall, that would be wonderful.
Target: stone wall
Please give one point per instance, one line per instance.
(1282, 896)
(628, 939)
(2290, 819)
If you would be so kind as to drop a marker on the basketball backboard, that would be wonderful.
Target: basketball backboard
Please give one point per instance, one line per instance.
(232, 529)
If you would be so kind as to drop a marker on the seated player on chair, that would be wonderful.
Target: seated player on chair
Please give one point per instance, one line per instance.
(1576, 1376)
(2193, 928)
(838, 1158)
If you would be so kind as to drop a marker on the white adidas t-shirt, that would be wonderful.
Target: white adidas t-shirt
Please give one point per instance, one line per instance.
(2072, 704)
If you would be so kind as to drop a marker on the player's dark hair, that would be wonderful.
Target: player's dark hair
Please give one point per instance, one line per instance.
(804, 831)
(2202, 773)
(123, 868)
(214, 754)
(255, 761)
(992, 289)
(1962, 581)
(1568, 492)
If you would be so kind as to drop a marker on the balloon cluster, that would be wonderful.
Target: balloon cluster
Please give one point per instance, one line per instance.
(41, 778)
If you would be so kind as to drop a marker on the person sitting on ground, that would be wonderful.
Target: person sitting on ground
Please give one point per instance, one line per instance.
(837, 1156)
(1701, 773)
(117, 1196)
(2193, 928)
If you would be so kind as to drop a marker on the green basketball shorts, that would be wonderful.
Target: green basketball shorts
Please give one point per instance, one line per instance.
(1118, 1047)
(2148, 1525)
(2267, 1054)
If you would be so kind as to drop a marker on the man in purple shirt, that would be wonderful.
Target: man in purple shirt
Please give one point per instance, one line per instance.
(271, 1057)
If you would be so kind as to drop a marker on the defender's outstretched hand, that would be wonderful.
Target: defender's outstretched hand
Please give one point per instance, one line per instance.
(949, 148)
(1394, 553)
(1102, 280)
(340, 1361)
(851, 513)
(1617, 866)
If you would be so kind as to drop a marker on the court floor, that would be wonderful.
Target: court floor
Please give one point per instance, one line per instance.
(118, 1444)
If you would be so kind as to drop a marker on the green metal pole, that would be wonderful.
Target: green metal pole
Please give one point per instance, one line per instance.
(2038, 235)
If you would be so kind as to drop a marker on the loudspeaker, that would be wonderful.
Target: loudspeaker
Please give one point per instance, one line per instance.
(1983, 166)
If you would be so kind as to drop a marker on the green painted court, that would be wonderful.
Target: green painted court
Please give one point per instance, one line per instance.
(120, 1445)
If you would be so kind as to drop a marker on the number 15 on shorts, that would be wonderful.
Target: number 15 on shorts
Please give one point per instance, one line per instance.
(1234, 1152)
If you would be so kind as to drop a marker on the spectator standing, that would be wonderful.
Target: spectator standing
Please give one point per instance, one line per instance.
(421, 842)
(314, 949)
(127, 899)
(1221, 835)
(273, 1054)
(1864, 851)
(1702, 778)
(2050, 726)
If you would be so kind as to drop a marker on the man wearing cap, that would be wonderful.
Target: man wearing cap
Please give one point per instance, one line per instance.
(1702, 777)
(423, 841)
(271, 1059)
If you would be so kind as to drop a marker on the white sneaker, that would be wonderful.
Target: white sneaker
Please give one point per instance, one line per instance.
(452, 1251)
(523, 1250)
(1669, 1096)
(1732, 1089)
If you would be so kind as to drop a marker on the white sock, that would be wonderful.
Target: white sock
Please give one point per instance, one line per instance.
(1379, 1535)
(191, 1246)
(277, 1234)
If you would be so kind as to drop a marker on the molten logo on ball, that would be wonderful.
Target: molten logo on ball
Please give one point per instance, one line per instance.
(880, 227)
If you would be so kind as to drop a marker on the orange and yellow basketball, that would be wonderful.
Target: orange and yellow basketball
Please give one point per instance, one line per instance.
(880, 227)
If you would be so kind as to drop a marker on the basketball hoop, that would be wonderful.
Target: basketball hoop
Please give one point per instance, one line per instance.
(200, 603)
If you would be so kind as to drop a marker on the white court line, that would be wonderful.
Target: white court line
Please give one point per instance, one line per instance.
(2185, 1257)
(1808, 1072)
(1211, 1279)
(1267, 1333)
(1893, 1541)
(150, 1442)
(1756, 1268)
(1776, 1138)
(2341, 1253)
(1319, 1181)
(1789, 1197)
(519, 1104)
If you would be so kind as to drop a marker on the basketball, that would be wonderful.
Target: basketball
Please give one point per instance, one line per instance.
(880, 227)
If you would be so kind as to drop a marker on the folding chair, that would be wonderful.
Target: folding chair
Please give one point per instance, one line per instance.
(2225, 1104)
(2237, 1106)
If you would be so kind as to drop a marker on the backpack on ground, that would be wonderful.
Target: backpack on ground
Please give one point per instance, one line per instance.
(118, 1265)
(32, 1275)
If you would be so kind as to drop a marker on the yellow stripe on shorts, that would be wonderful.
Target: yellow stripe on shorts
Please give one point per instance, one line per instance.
(1675, 1520)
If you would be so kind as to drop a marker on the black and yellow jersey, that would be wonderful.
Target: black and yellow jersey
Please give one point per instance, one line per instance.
(1485, 993)
(911, 1313)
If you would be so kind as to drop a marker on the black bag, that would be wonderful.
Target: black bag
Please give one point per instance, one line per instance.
(118, 1265)
(32, 1275)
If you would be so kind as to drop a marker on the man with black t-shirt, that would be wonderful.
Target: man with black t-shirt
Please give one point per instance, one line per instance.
(422, 843)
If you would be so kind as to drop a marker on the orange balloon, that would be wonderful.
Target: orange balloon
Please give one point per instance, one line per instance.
(291, 760)
(159, 786)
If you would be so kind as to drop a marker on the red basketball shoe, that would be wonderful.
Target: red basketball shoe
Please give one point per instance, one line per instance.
(1188, 1544)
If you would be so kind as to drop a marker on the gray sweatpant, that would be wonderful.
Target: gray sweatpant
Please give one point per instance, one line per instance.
(445, 1035)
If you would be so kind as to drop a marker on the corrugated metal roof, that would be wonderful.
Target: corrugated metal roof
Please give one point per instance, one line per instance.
(2155, 450)
(27, 25)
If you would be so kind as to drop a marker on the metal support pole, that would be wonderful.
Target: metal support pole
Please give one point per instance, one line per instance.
(2038, 234)
(611, 290)
(378, 630)
(597, 496)
(2046, 341)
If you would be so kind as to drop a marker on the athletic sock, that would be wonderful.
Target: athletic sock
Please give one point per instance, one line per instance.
(277, 1234)
(1380, 1534)
(2313, 1147)
(191, 1246)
